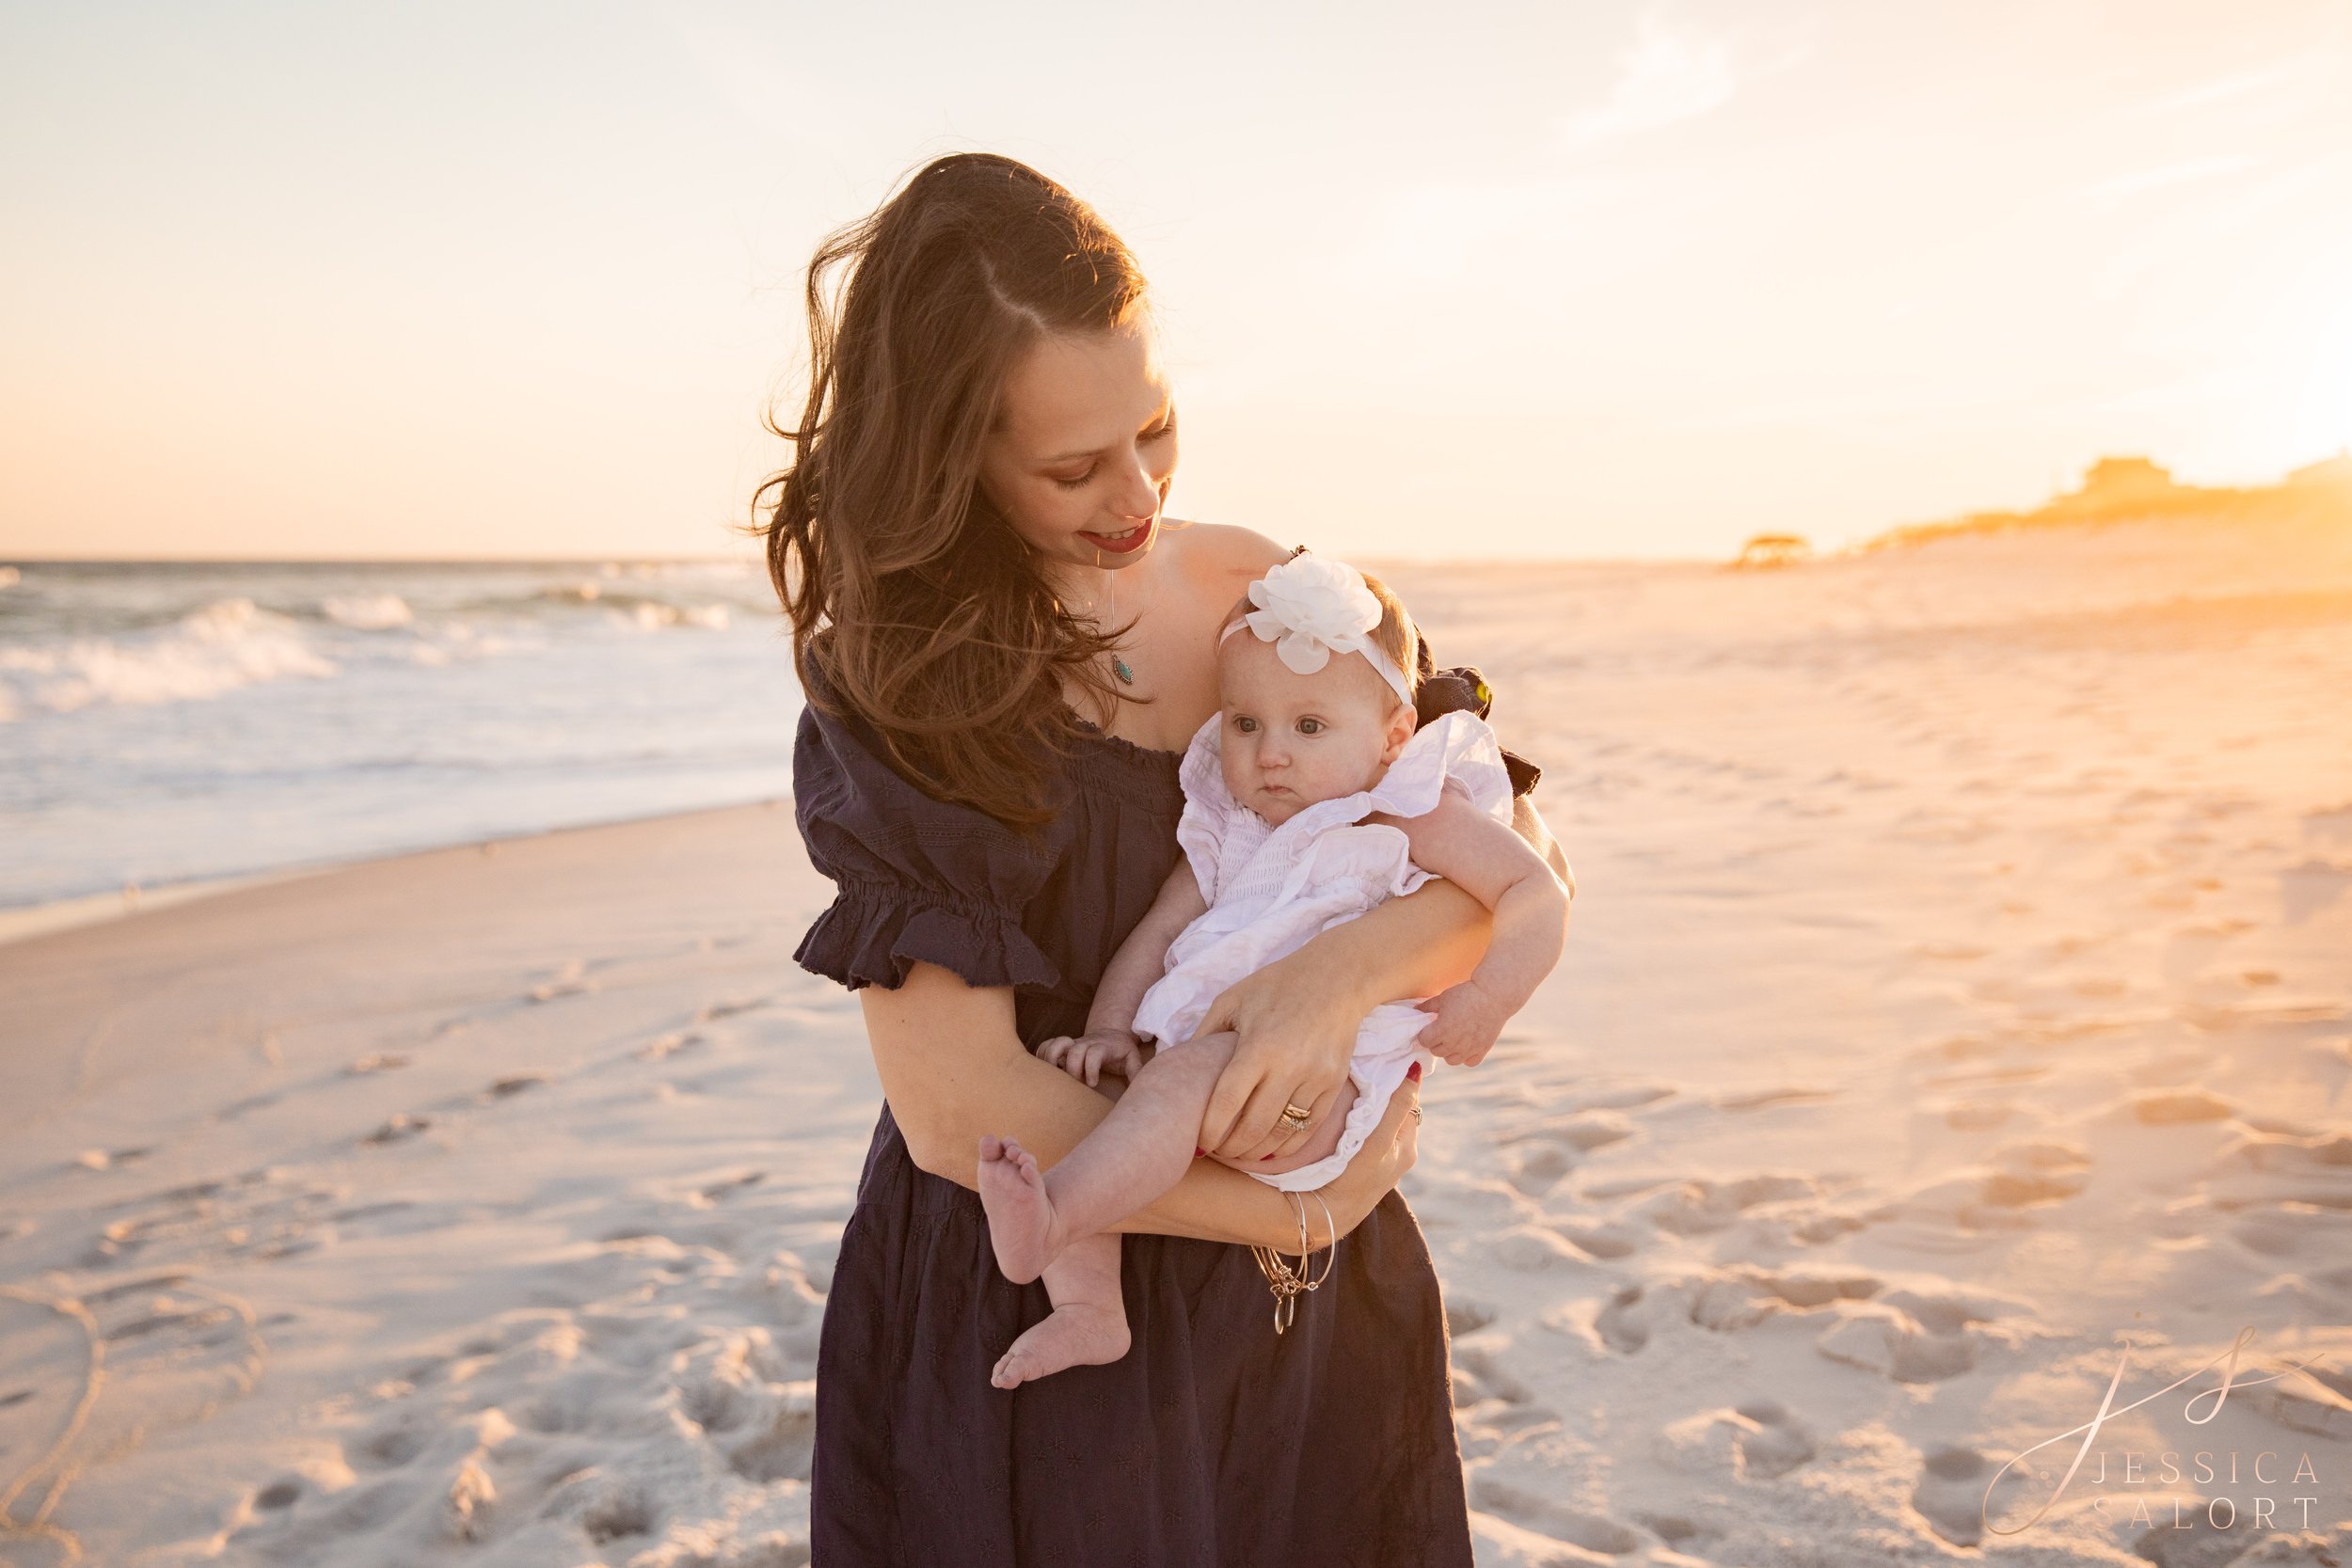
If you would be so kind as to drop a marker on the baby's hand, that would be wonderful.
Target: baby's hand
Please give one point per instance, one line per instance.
(1090, 1055)
(1465, 1021)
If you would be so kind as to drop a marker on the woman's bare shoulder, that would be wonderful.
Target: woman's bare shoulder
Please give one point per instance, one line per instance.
(1220, 554)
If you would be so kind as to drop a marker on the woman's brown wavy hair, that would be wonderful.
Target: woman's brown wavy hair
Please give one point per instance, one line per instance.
(911, 598)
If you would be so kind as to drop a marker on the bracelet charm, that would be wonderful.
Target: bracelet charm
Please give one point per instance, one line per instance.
(1287, 1283)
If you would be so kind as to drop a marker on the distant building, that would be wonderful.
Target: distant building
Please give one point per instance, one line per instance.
(1774, 550)
(2125, 480)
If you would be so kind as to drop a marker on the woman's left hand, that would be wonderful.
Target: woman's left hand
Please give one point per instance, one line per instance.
(1297, 1026)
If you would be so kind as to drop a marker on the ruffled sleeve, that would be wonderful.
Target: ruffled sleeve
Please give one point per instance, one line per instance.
(1455, 750)
(1209, 806)
(916, 878)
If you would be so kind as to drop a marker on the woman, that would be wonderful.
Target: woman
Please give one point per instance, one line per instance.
(1005, 650)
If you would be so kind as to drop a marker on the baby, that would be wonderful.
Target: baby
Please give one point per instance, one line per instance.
(1309, 797)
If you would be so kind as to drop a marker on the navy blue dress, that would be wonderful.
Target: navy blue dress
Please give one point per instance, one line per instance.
(1214, 1443)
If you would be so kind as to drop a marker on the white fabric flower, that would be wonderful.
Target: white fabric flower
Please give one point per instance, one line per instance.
(1309, 608)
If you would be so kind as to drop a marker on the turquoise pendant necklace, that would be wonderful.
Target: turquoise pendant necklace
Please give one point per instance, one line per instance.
(1118, 666)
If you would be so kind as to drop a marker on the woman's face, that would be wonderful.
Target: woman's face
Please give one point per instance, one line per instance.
(1085, 446)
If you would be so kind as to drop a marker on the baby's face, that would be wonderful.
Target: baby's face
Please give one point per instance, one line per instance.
(1291, 739)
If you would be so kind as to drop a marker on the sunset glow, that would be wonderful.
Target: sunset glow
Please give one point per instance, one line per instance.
(1626, 280)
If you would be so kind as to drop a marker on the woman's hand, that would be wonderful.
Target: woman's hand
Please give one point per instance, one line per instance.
(1376, 1168)
(1297, 1026)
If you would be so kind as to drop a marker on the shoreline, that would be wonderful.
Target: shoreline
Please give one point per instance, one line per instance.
(24, 922)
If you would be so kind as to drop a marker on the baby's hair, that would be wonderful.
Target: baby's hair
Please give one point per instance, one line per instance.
(1398, 637)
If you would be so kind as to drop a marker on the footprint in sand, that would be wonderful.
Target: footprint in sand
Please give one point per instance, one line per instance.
(571, 980)
(1913, 1336)
(2173, 1107)
(1535, 1168)
(1477, 1377)
(252, 1103)
(1697, 1206)
(2279, 1168)
(1578, 1132)
(712, 1191)
(1757, 1100)
(1623, 1324)
(1957, 1048)
(1978, 1115)
(1465, 1315)
(2025, 1175)
(783, 1437)
(380, 1062)
(2193, 1541)
(258, 1215)
(1950, 1494)
(398, 1128)
(1534, 1249)
(1756, 1440)
(104, 1159)
(716, 1010)
(1725, 1301)
(505, 1088)
(1627, 1098)
(667, 1045)
(1523, 1503)
(1604, 1241)
(2317, 1401)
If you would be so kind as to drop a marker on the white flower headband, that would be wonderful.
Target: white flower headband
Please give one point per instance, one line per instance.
(1310, 609)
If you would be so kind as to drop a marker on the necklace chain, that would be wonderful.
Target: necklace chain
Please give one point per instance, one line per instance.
(1120, 666)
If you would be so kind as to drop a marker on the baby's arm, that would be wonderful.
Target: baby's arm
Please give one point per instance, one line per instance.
(1141, 959)
(1492, 864)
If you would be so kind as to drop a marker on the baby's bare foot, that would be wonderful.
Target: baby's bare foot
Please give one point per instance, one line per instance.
(1020, 1216)
(1077, 1333)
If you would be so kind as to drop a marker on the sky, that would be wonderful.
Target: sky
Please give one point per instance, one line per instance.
(1589, 280)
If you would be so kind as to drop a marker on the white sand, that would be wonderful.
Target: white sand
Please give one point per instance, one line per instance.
(1961, 981)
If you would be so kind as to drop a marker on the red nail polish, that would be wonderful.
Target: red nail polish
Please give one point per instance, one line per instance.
(1413, 1072)
(1264, 1158)
(1199, 1153)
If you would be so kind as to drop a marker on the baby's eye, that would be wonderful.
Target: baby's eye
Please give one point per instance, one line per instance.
(1246, 724)
(1311, 726)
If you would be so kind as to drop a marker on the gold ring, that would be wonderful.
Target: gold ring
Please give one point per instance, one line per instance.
(1294, 1118)
(1416, 1110)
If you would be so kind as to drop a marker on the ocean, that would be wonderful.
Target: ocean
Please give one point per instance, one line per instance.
(164, 722)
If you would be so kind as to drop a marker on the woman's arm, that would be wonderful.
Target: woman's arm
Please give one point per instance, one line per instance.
(1299, 1016)
(1529, 824)
(953, 1068)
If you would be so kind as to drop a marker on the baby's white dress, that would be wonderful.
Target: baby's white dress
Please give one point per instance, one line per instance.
(1272, 888)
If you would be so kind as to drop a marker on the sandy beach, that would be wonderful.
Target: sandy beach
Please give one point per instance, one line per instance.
(1959, 1002)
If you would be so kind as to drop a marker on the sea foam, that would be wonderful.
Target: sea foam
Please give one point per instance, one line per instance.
(226, 645)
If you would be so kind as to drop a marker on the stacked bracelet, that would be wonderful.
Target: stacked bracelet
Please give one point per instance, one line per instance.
(1288, 1283)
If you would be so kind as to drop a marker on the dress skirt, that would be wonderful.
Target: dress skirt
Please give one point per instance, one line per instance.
(1215, 1443)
